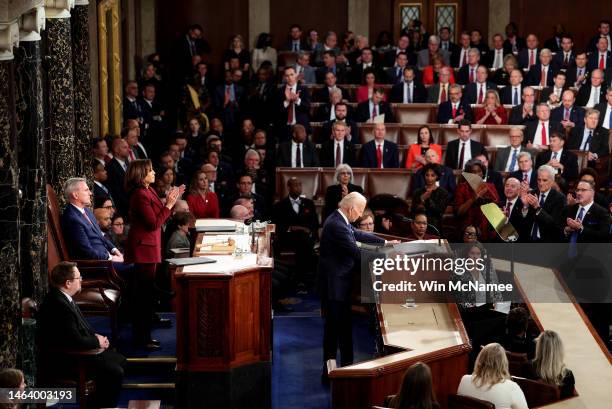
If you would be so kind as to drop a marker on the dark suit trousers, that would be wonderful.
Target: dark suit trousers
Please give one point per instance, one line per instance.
(302, 244)
(143, 301)
(106, 370)
(338, 332)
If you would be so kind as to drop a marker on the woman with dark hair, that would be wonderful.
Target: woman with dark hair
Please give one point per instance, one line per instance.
(365, 90)
(384, 42)
(202, 202)
(431, 73)
(416, 391)
(143, 246)
(431, 198)
(263, 51)
(416, 153)
(468, 201)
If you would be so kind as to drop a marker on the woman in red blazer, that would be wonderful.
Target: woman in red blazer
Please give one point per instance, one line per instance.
(492, 111)
(364, 92)
(416, 153)
(431, 72)
(143, 246)
(202, 202)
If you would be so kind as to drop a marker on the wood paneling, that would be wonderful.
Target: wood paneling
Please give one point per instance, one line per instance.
(381, 18)
(476, 15)
(322, 15)
(579, 18)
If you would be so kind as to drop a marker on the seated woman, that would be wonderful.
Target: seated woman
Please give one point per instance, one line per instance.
(548, 366)
(416, 153)
(202, 202)
(334, 193)
(418, 227)
(468, 202)
(416, 390)
(365, 90)
(431, 198)
(180, 237)
(517, 337)
(491, 381)
(432, 71)
(502, 76)
(492, 112)
(365, 222)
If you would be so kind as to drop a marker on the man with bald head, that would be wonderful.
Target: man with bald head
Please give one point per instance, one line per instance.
(568, 113)
(513, 206)
(339, 254)
(593, 93)
(239, 212)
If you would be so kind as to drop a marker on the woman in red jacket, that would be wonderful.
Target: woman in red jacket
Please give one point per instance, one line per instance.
(492, 112)
(364, 91)
(416, 152)
(431, 72)
(202, 202)
(143, 246)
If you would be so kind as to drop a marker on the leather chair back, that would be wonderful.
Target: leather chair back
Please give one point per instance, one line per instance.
(537, 393)
(497, 136)
(392, 181)
(466, 402)
(414, 113)
(57, 247)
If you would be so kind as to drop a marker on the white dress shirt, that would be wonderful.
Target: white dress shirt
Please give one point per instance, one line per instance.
(594, 97)
(293, 154)
(537, 137)
(498, 60)
(297, 102)
(585, 138)
(467, 152)
(557, 156)
(606, 120)
(462, 57)
(509, 161)
(295, 204)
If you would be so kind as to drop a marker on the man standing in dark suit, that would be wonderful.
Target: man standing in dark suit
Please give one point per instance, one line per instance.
(491, 175)
(403, 46)
(61, 326)
(339, 255)
(562, 160)
(228, 99)
(447, 45)
(395, 74)
(338, 150)
(329, 65)
(512, 206)
(295, 42)
(100, 192)
(568, 114)
(116, 170)
(375, 106)
(474, 92)
(513, 43)
(380, 153)
(467, 73)
(525, 173)
(578, 71)
(552, 94)
(460, 53)
(586, 221)
(542, 209)
(297, 227)
(294, 105)
(131, 105)
(605, 111)
(537, 133)
(454, 110)
(600, 58)
(590, 137)
(330, 82)
(589, 95)
(408, 90)
(459, 151)
(298, 152)
(564, 58)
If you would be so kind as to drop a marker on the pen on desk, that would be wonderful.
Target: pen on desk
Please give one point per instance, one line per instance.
(434, 313)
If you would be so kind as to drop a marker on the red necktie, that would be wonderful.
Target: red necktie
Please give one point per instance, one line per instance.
(480, 96)
(378, 157)
(543, 135)
(461, 155)
(443, 94)
(602, 62)
(132, 157)
(543, 77)
(471, 75)
(374, 111)
(454, 111)
(507, 209)
(531, 58)
(339, 154)
(87, 217)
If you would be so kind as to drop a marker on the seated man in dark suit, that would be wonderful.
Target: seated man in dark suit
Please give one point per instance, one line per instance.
(511, 94)
(506, 159)
(524, 113)
(408, 90)
(568, 113)
(600, 58)
(577, 72)
(327, 111)
(116, 170)
(352, 131)
(529, 55)
(245, 196)
(591, 94)
(61, 326)
(553, 94)
(459, 151)
(467, 73)
(537, 133)
(543, 72)
(298, 152)
(454, 110)
(525, 173)
(562, 160)
(474, 92)
(380, 153)
(395, 74)
(590, 137)
(375, 106)
(338, 150)
(297, 227)
(447, 178)
(322, 95)
(329, 65)
(403, 46)
(366, 65)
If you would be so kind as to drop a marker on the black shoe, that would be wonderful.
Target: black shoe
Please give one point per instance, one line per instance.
(155, 342)
(159, 322)
(152, 345)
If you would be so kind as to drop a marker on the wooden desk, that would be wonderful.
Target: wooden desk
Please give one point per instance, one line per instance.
(223, 332)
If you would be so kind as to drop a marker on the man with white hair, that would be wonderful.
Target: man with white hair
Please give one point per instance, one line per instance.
(433, 47)
(339, 254)
(513, 206)
(543, 72)
(239, 212)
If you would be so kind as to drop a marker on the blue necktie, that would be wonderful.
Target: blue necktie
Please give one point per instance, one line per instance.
(536, 229)
(513, 161)
(573, 251)
(610, 121)
(515, 97)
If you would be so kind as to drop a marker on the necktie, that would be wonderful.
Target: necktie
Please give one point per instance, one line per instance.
(543, 77)
(507, 208)
(536, 230)
(609, 118)
(124, 166)
(408, 99)
(574, 236)
(587, 144)
(525, 177)
(374, 111)
(543, 135)
(454, 108)
(531, 57)
(87, 218)
(555, 155)
(132, 156)
(480, 94)
(566, 115)
(338, 154)
(471, 75)
(295, 203)
(566, 60)
(513, 160)
(443, 94)
(465, 61)
(290, 113)
(298, 156)
(515, 98)
(192, 47)
(461, 155)
(378, 157)
(602, 62)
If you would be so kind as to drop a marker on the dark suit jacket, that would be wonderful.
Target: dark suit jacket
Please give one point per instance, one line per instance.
(531, 128)
(363, 111)
(496, 179)
(576, 114)
(559, 60)
(339, 254)
(323, 112)
(549, 219)
(568, 159)
(545, 93)
(506, 95)
(516, 116)
(602, 107)
(593, 62)
(572, 74)
(595, 223)
(131, 110)
(582, 98)
(419, 93)
(390, 155)
(501, 158)
(392, 76)
(288, 45)
(535, 73)
(517, 220)
(445, 112)
(114, 183)
(309, 155)
(520, 44)
(523, 57)
(533, 180)
(284, 216)
(328, 150)
(391, 55)
(452, 152)
(341, 75)
(85, 241)
(463, 75)
(101, 194)
(470, 92)
(357, 71)
(599, 142)
(302, 111)
(333, 195)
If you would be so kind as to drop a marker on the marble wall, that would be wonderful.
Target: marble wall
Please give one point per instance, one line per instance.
(31, 160)
(10, 314)
(61, 119)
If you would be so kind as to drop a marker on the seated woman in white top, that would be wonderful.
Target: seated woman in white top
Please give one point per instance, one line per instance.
(490, 380)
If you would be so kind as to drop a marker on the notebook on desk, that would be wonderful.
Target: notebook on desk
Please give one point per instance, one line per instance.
(216, 225)
(190, 261)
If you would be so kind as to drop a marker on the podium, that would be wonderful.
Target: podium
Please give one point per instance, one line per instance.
(223, 315)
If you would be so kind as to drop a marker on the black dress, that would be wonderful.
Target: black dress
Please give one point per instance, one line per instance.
(333, 195)
(566, 388)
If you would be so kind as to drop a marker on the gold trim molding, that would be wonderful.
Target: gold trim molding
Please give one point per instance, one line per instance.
(110, 67)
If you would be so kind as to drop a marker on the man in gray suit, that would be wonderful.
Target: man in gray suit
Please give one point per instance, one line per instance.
(438, 93)
(507, 158)
(306, 73)
(433, 47)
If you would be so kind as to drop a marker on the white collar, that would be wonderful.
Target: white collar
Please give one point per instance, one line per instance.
(586, 208)
(67, 296)
(343, 216)
(80, 209)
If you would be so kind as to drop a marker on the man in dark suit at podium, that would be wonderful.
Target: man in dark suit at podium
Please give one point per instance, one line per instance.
(339, 254)
(61, 326)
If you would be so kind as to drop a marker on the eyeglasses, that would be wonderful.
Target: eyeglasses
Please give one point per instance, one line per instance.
(80, 278)
(369, 224)
(469, 234)
(118, 224)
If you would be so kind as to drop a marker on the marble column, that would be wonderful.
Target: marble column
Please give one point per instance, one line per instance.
(10, 309)
(32, 160)
(61, 119)
(359, 17)
(82, 89)
(499, 17)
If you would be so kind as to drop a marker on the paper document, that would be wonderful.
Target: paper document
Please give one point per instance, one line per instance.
(499, 222)
(473, 180)
(379, 119)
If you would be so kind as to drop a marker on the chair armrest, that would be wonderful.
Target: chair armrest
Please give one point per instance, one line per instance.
(100, 269)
